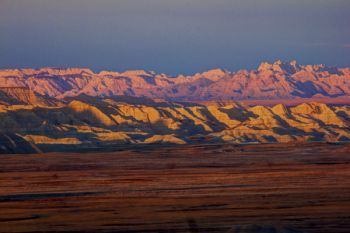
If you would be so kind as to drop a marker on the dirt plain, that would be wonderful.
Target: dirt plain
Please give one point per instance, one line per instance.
(191, 188)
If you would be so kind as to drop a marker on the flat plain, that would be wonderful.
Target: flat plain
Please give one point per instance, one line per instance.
(190, 188)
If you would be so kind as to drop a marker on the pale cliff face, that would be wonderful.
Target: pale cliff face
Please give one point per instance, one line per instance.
(280, 80)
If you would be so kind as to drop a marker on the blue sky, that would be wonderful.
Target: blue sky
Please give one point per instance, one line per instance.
(172, 36)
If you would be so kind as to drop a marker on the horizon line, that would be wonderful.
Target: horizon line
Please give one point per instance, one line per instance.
(98, 71)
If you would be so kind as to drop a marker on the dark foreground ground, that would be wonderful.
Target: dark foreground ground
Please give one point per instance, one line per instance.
(178, 189)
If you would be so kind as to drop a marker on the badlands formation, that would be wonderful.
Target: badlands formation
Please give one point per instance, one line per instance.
(90, 122)
(54, 109)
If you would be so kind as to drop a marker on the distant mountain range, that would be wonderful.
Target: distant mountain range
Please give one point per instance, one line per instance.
(277, 81)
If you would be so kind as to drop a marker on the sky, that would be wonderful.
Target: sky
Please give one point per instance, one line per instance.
(172, 36)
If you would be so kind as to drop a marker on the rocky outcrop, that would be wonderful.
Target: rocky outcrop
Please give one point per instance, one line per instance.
(164, 139)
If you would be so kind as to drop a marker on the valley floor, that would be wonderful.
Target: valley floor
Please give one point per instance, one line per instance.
(189, 188)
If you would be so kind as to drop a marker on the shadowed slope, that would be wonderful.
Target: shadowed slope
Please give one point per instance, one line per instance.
(25, 96)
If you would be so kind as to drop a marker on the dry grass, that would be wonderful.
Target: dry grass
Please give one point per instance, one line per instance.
(176, 189)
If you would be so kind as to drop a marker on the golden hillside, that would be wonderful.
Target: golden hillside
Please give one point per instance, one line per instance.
(97, 122)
